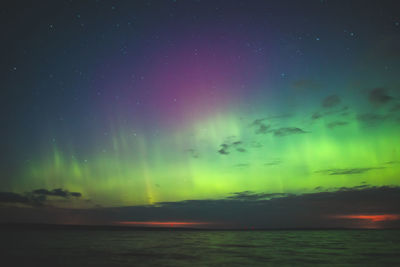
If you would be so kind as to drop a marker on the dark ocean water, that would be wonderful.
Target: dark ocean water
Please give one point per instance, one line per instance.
(199, 248)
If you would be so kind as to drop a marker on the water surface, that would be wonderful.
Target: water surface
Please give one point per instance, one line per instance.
(199, 248)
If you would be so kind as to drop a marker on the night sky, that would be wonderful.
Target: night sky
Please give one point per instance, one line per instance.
(222, 114)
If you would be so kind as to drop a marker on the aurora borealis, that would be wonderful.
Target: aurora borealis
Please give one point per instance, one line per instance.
(126, 106)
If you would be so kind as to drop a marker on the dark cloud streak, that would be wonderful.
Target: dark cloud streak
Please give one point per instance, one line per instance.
(241, 209)
(37, 197)
(371, 118)
(225, 148)
(284, 131)
(335, 124)
(331, 101)
(58, 192)
(10, 197)
(348, 171)
(379, 96)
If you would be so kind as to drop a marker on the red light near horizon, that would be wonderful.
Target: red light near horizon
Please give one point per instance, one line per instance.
(372, 218)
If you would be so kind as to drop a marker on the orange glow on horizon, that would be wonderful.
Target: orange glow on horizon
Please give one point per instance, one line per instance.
(162, 224)
(372, 218)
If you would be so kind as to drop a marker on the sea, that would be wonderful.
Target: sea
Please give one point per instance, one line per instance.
(71, 247)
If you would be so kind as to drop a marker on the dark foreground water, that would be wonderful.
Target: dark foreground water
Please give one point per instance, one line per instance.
(199, 248)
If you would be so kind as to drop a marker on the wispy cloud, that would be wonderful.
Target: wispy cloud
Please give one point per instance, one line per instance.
(241, 165)
(335, 124)
(379, 96)
(223, 149)
(316, 115)
(56, 192)
(348, 171)
(36, 197)
(284, 131)
(371, 118)
(343, 111)
(227, 147)
(331, 101)
(253, 196)
(273, 163)
(193, 152)
(262, 128)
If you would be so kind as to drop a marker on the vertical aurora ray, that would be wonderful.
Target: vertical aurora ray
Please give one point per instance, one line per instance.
(186, 164)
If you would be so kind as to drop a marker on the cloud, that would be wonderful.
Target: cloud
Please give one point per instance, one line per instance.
(257, 122)
(316, 115)
(273, 163)
(335, 124)
(273, 117)
(379, 96)
(58, 192)
(281, 116)
(343, 111)
(15, 198)
(224, 149)
(371, 118)
(241, 209)
(281, 210)
(10, 197)
(36, 197)
(193, 153)
(393, 162)
(284, 131)
(331, 101)
(262, 129)
(242, 165)
(358, 187)
(252, 196)
(348, 171)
